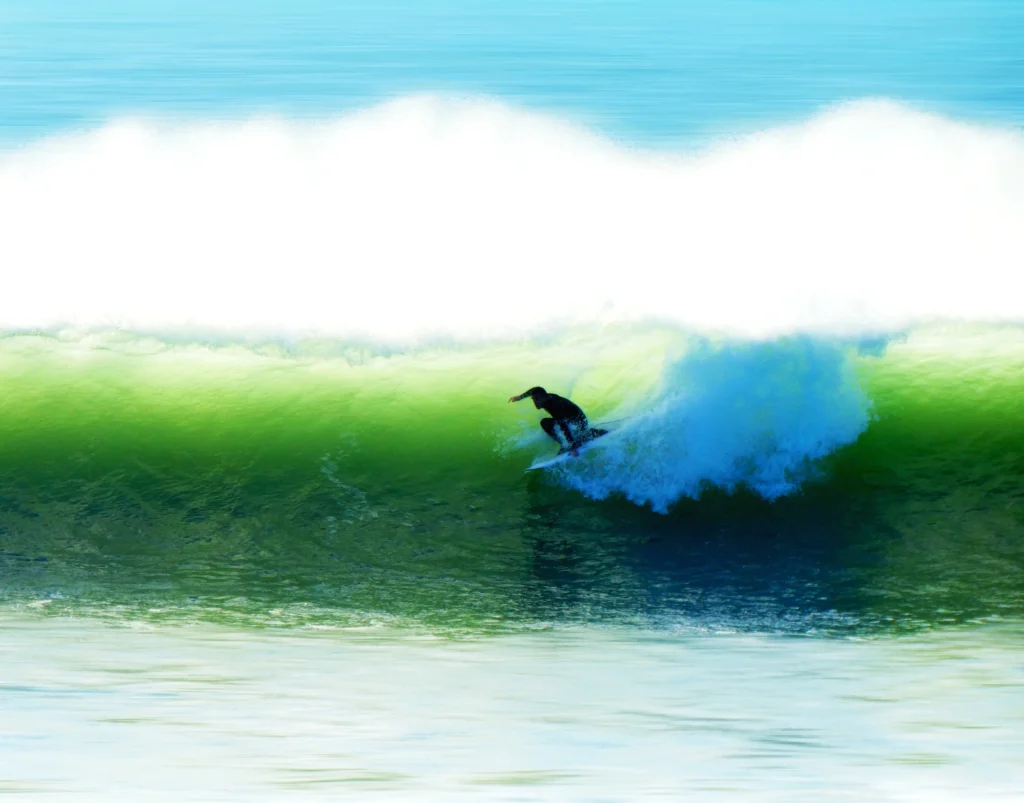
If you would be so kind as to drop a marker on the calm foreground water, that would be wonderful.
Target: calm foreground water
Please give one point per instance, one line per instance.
(94, 712)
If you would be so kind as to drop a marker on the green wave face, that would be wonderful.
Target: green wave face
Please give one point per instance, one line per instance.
(318, 486)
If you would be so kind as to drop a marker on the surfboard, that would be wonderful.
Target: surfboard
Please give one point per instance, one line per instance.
(562, 457)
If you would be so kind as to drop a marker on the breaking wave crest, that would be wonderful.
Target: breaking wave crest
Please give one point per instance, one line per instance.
(433, 218)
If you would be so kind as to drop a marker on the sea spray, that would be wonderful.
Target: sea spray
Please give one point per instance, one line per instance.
(757, 415)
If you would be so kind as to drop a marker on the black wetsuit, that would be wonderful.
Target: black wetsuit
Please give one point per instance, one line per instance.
(568, 424)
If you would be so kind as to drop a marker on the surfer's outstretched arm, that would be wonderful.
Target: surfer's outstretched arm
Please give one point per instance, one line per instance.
(538, 394)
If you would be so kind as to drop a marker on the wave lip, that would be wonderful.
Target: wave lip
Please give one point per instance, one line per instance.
(429, 217)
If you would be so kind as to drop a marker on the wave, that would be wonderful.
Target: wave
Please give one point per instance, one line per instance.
(435, 218)
(838, 490)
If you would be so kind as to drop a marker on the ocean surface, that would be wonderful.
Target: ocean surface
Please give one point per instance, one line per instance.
(270, 273)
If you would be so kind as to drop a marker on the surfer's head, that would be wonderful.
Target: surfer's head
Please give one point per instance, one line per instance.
(538, 394)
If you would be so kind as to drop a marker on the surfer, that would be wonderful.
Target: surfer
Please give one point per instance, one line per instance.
(568, 425)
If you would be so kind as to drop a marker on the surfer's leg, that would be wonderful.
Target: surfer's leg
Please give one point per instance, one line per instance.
(573, 434)
(550, 426)
(577, 431)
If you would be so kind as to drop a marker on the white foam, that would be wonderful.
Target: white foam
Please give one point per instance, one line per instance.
(756, 415)
(429, 217)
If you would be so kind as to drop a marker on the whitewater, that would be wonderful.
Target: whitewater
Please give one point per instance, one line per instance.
(431, 219)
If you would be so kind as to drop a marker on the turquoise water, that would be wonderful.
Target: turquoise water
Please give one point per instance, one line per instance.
(271, 274)
(649, 70)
